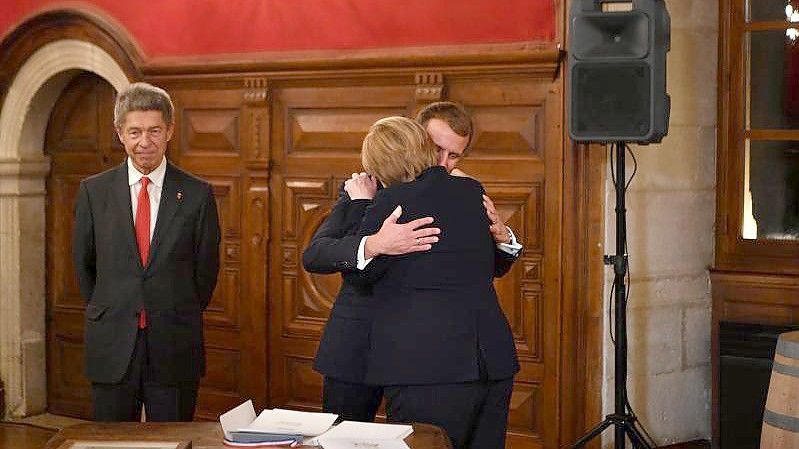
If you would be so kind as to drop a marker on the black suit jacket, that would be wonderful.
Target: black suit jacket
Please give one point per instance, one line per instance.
(436, 318)
(333, 248)
(174, 286)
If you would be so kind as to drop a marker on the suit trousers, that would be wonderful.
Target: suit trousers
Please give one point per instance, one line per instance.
(351, 401)
(474, 414)
(162, 402)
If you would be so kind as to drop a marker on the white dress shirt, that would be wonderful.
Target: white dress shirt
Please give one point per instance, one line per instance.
(511, 248)
(153, 189)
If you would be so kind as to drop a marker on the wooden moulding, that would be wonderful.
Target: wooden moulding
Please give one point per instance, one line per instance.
(545, 56)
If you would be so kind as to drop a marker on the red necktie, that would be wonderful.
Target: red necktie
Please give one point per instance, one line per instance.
(143, 233)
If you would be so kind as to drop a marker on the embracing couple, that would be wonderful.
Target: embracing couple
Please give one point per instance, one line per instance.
(417, 318)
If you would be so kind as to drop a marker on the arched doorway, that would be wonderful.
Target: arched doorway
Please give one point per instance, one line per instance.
(80, 141)
(24, 116)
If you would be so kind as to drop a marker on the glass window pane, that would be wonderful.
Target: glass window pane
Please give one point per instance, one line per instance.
(773, 79)
(770, 10)
(771, 190)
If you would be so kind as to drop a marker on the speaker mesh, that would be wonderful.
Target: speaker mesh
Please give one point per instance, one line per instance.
(610, 99)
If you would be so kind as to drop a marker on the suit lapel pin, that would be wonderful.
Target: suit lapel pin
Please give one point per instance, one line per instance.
(180, 196)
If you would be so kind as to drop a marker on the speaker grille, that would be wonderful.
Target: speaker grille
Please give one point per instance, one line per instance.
(610, 100)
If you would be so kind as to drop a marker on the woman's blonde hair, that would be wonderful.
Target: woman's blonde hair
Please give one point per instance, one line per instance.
(397, 149)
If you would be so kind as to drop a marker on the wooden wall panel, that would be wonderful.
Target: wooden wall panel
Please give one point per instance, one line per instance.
(516, 121)
(276, 146)
(213, 140)
(316, 136)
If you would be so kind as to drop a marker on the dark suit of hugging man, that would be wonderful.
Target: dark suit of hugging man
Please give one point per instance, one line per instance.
(146, 251)
(440, 344)
(344, 345)
(343, 352)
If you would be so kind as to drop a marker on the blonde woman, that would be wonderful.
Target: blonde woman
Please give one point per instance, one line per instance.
(440, 345)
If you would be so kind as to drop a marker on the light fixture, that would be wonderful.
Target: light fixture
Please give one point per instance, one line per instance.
(792, 16)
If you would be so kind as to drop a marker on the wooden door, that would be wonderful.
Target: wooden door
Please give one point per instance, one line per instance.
(517, 154)
(316, 142)
(80, 141)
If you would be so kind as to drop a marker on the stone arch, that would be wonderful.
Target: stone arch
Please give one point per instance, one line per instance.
(24, 115)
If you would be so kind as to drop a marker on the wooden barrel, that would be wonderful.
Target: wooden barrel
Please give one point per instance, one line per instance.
(781, 417)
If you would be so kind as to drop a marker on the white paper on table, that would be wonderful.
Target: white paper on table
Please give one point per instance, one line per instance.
(355, 430)
(291, 422)
(237, 417)
(336, 443)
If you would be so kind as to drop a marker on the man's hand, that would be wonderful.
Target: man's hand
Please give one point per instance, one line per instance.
(394, 239)
(361, 186)
(498, 229)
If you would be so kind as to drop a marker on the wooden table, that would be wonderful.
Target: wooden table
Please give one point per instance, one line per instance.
(204, 435)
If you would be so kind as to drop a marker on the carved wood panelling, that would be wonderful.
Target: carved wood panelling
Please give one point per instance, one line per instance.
(254, 245)
(327, 132)
(304, 199)
(527, 325)
(64, 281)
(532, 269)
(223, 369)
(515, 157)
(316, 137)
(525, 406)
(211, 131)
(208, 128)
(521, 207)
(507, 132)
(304, 383)
(301, 197)
(224, 306)
(68, 386)
(70, 375)
(753, 298)
(74, 127)
(256, 91)
(429, 87)
(258, 222)
(259, 137)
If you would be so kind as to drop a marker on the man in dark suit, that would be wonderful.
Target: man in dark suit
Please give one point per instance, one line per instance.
(344, 345)
(146, 251)
(451, 129)
(440, 344)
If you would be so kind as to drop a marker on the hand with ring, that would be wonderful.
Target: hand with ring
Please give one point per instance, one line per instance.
(498, 229)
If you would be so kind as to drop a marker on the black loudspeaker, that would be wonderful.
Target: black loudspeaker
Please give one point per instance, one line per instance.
(617, 71)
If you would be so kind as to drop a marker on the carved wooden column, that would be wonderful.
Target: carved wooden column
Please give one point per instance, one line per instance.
(255, 238)
(429, 88)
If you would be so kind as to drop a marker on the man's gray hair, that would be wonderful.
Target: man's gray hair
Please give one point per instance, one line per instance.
(143, 97)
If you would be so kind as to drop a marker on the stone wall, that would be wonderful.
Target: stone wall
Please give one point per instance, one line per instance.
(670, 218)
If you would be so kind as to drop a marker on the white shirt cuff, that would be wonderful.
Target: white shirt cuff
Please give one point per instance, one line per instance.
(362, 260)
(511, 248)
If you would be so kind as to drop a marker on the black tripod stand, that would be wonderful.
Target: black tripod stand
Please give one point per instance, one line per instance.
(624, 422)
